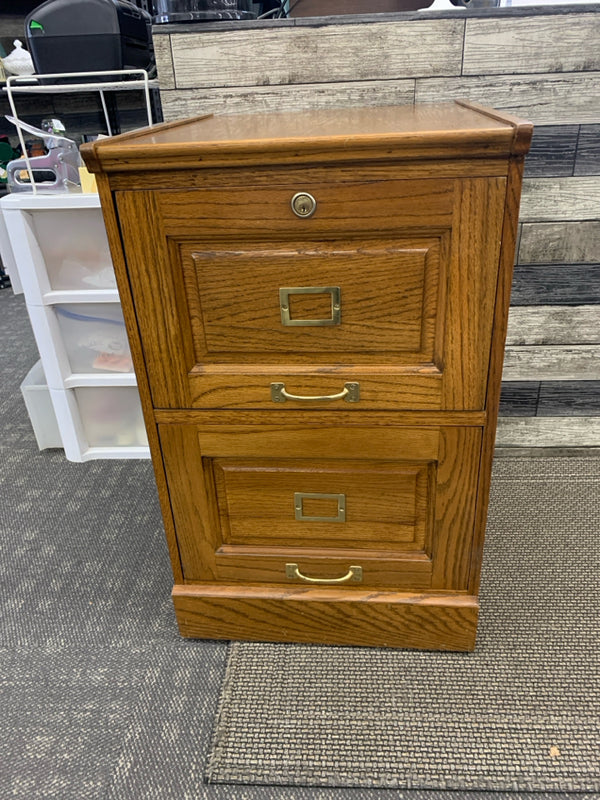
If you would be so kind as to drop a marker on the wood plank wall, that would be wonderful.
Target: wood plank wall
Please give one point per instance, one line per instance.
(542, 65)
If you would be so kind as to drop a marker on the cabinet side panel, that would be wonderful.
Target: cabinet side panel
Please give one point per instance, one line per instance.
(193, 508)
(159, 298)
(476, 231)
(137, 355)
(506, 262)
(458, 467)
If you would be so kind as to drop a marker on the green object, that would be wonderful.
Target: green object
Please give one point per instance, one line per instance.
(6, 153)
(36, 26)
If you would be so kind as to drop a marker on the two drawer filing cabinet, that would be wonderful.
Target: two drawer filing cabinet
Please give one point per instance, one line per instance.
(317, 306)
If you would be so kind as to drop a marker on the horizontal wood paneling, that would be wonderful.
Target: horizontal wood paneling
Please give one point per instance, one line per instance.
(519, 398)
(552, 362)
(545, 99)
(566, 399)
(588, 151)
(554, 325)
(534, 44)
(556, 284)
(178, 104)
(552, 152)
(548, 432)
(318, 55)
(560, 243)
(164, 61)
(554, 199)
(550, 399)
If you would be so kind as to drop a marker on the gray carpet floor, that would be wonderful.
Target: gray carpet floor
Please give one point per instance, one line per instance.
(99, 696)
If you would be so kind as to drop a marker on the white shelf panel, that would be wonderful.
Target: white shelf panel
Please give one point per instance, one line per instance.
(100, 379)
(81, 296)
(94, 453)
(26, 201)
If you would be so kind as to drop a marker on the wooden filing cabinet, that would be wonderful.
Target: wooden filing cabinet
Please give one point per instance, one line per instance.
(317, 306)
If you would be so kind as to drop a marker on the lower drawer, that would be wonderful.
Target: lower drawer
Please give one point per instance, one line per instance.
(305, 506)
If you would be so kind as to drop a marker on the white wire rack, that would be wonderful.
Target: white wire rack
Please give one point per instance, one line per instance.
(54, 83)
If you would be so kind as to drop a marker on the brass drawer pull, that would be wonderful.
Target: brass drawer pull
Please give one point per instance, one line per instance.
(354, 574)
(350, 393)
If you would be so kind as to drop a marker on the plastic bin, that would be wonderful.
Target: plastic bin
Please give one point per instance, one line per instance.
(75, 248)
(111, 416)
(39, 407)
(94, 337)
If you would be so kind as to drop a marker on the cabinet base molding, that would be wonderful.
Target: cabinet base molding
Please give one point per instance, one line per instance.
(327, 616)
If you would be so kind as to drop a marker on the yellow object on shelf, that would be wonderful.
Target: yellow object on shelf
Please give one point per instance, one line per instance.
(88, 181)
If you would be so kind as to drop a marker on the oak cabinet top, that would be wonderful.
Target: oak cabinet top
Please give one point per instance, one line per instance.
(449, 130)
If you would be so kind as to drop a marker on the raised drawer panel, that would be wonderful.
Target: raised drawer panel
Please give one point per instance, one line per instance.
(371, 299)
(278, 503)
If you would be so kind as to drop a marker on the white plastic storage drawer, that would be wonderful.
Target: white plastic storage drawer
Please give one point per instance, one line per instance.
(39, 407)
(94, 337)
(111, 416)
(74, 247)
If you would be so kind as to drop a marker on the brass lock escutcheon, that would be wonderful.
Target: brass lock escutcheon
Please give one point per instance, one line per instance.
(303, 204)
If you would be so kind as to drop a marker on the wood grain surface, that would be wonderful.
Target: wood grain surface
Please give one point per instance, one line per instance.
(519, 398)
(555, 199)
(386, 504)
(234, 481)
(544, 98)
(164, 62)
(303, 56)
(553, 150)
(204, 280)
(560, 243)
(556, 285)
(566, 399)
(552, 362)
(238, 304)
(554, 325)
(588, 151)
(181, 103)
(549, 432)
(535, 44)
(381, 619)
(508, 238)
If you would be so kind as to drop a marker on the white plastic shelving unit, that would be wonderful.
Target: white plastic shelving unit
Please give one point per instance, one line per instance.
(60, 249)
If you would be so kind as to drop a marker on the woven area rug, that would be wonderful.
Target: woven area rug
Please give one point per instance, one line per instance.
(521, 713)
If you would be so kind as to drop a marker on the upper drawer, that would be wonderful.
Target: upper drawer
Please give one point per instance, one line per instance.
(320, 207)
(396, 294)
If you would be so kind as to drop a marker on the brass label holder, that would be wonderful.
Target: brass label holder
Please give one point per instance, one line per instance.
(299, 498)
(336, 306)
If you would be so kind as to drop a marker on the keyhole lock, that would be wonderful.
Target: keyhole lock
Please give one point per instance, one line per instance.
(303, 204)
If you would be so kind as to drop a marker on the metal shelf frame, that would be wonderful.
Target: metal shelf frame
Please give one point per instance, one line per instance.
(31, 84)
